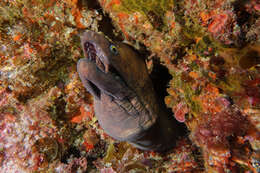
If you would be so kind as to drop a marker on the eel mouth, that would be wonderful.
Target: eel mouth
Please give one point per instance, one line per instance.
(92, 55)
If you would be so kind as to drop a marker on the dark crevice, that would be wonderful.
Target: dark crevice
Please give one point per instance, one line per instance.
(180, 53)
(57, 111)
(244, 19)
(160, 77)
(93, 4)
(106, 24)
(71, 151)
(198, 157)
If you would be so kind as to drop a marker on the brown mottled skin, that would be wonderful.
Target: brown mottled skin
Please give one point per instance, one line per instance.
(124, 98)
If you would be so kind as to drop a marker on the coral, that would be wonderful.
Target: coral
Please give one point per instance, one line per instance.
(154, 10)
(210, 48)
(180, 111)
(215, 130)
(123, 158)
(40, 89)
(38, 48)
(74, 164)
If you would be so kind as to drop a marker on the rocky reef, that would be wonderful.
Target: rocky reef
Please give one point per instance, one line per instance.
(211, 50)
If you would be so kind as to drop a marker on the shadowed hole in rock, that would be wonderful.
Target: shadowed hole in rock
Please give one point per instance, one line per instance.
(105, 25)
(71, 151)
(160, 78)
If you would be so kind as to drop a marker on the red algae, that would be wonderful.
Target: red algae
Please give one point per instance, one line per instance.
(214, 130)
(40, 90)
(83, 115)
(210, 49)
(180, 111)
(218, 23)
(212, 88)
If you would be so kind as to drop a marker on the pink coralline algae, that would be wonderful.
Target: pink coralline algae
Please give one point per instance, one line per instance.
(220, 135)
(180, 111)
(218, 23)
(18, 134)
(107, 170)
(75, 164)
(215, 129)
(210, 48)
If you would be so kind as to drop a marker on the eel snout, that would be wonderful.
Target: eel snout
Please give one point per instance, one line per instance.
(96, 49)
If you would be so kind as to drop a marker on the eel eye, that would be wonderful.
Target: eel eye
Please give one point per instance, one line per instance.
(113, 49)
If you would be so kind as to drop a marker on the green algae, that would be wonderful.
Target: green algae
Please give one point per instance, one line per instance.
(154, 10)
(188, 93)
(159, 7)
(9, 14)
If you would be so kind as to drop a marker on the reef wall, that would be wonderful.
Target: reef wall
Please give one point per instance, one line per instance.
(212, 51)
(210, 48)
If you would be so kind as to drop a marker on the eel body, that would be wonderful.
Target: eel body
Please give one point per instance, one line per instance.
(124, 98)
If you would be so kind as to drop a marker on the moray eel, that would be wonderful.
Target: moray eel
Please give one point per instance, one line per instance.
(125, 103)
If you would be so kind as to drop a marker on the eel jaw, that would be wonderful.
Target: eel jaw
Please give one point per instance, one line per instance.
(96, 48)
(91, 53)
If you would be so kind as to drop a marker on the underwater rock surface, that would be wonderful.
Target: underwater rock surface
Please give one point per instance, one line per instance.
(210, 48)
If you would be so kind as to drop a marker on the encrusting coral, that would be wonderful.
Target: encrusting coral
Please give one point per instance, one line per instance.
(210, 48)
